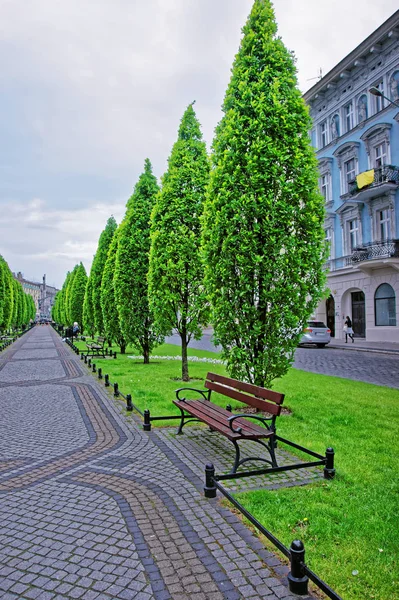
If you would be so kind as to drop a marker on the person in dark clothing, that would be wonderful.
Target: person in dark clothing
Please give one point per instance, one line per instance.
(348, 330)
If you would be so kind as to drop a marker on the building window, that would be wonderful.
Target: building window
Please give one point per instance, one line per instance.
(323, 134)
(384, 219)
(349, 173)
(325, 187)
(378, 100)
(384, 303)
(380, 155)
(353, 227)
(348, 116)
(329, 238)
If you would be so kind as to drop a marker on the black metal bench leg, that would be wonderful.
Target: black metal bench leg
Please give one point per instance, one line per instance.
(270, 447)
(179, 431)
(237, 459)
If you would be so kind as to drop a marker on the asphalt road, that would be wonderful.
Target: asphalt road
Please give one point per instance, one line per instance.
(370, 367)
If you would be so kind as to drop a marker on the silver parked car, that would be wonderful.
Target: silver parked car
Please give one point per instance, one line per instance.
(316, 333)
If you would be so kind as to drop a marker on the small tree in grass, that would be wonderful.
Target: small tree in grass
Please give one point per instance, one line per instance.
(131, 287)
(176, 291)
(263, 224)
(108, 299)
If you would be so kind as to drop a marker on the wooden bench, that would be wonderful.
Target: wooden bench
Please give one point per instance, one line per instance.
(96, 348)
(235, 427)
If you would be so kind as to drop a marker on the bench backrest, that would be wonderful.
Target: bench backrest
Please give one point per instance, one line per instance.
(253, 395)
(101, 340)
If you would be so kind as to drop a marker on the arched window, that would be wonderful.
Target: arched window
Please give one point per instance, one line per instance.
(384, 301)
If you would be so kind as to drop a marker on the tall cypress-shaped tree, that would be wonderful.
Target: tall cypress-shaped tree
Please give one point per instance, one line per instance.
(69, 295)
(2, 291)
(96, 273)
(62, 300)
(8, 306)
(14, 317)
(108, 299)
(176, 291)
(88, 311)
(77, 295)
(131, 288)
(263, 224)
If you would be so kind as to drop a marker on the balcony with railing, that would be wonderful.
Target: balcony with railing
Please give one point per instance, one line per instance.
(376, 250)
(368, 257)
(385, 178)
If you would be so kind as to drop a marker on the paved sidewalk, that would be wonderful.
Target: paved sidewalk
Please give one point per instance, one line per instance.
(94, 508)
(365, 346)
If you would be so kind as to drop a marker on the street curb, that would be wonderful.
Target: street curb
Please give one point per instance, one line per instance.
(375, 350)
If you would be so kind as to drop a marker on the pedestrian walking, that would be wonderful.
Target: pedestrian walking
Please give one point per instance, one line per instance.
(348, 330)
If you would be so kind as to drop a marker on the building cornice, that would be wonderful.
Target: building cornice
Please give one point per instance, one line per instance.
(371, 45)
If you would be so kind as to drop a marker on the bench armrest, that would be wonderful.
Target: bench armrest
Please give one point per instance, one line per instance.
(245, 416)
(204, 393)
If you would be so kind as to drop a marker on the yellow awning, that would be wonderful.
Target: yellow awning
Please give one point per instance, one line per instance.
(365, 178)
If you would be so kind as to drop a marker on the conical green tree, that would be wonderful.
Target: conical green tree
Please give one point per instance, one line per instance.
(176, 291)
(263, 225)
(96, 273)
(131, 269)
(88, 311)
(77, 295)
(3, 291)
(69, 295)
(108, 299)
(8, 306)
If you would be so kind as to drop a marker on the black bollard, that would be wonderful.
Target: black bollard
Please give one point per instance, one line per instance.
(147, 420)
(100, 373)
(228, 407)
(106, 377)
(329, 471)
(85, 359)
(129, 405)
(209, 488)
(116, 390)
(94, 367)
(114, 354)
(89, 362)
(297, 579)
(82, 357)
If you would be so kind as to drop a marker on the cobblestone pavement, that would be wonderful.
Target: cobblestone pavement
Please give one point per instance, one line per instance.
(370, 367)
(92, 507)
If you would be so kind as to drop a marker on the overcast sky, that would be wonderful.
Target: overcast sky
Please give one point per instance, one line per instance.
(90, 88)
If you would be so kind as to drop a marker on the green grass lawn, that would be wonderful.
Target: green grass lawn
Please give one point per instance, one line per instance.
(349, 525)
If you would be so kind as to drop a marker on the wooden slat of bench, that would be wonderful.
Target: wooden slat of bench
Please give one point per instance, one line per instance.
(249, 388)
(216, 417)
(274, 409)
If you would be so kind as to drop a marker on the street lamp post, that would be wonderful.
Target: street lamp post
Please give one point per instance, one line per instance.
(376, 92)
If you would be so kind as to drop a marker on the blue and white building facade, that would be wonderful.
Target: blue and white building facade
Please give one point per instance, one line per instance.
(356, 136)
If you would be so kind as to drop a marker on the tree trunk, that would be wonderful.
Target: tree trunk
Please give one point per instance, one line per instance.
(146, 351)
(122, 346)
(184, 362)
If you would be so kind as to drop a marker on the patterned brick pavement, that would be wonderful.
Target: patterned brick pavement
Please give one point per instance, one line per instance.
(92, 507)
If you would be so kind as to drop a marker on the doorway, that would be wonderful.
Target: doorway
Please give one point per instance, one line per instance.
(330, 312)
(359, 314)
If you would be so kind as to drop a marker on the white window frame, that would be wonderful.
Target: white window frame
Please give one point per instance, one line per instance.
(323, 134)
(349, 116)
(375, 136)
(384, 218)
(325, 171)
(376, 206)
(352, 212)
(353, 171)
(378, 101)
(353, 233)
(343, 154)
(380, 154)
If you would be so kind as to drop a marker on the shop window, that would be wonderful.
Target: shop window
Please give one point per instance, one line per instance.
(385, 309)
